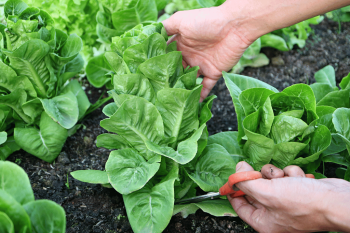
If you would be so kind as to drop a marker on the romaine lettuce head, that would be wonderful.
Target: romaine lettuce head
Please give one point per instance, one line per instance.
(277, 127)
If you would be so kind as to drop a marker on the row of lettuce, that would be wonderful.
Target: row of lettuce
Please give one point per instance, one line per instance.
(161, 151)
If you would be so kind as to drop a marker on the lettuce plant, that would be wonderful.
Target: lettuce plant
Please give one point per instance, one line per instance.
(340, 15)
(277, 127)
(158, 130)
(74, 17)
(39, 107)
(296, 34)
(19, 212)
(116, 17)
(333, 109)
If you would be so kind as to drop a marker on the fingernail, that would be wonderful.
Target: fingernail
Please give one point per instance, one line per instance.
(238, 166)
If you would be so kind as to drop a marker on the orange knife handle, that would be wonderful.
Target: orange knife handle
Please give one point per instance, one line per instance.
(236, 178)
(227, 188)
(310, 176)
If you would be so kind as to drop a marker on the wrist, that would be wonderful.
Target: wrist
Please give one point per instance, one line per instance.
(245, 20)
(336, 205)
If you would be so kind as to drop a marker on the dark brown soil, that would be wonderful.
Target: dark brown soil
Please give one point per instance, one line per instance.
(92, 208)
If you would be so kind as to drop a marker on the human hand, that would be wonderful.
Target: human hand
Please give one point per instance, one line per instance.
(294, 203)
(208, 39)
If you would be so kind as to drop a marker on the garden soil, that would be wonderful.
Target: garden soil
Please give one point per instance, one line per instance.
(92, 208)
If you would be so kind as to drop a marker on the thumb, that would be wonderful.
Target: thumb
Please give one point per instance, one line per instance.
(243, 167)
(171, 24)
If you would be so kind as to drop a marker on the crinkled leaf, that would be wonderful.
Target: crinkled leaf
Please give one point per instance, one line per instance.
(320, 140)
(164, 70)
(286, 128)
(252, 99)
(63, 109)
(305, 93)
(29, 60)
(213, 168)
(285, 152)
(135, 55)
(134, 84)
(186, 150)
(11, 81)
(138, 121)
(179, 111)
(15, 100)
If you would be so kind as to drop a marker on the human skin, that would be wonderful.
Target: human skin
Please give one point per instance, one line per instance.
(215, 38)
(294, 203)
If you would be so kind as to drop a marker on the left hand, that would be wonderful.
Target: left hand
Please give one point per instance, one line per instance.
(208, 39)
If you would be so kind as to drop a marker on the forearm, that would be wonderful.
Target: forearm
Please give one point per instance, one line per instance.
(258, 17)
(336, 205)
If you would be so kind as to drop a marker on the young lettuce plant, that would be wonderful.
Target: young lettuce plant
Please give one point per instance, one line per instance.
(340, 15)
(158, 128)
(277, 127)
(19, 212)
(333, 109)
(74, 17)
(114, 18)
(38, 109)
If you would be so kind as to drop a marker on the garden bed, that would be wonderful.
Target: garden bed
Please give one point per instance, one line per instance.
(92, 208)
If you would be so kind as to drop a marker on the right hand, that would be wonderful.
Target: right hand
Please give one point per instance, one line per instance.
(294, 203)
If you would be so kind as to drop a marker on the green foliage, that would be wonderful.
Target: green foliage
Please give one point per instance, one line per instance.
(114, 18)
(19, 212)
(333, 108)
(74, 17)
(340, 15)
(159, 128)
(277, 127)
(302, 125)
(38, 103)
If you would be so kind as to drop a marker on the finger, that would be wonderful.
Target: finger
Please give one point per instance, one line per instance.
(241, 206)
(269, 171)
(172, 24)
(184, 64)
(208, 84)
(252, 188)
(293, 171)
(243, 167)
(244, 210)
(172, 39)
(253, 202)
